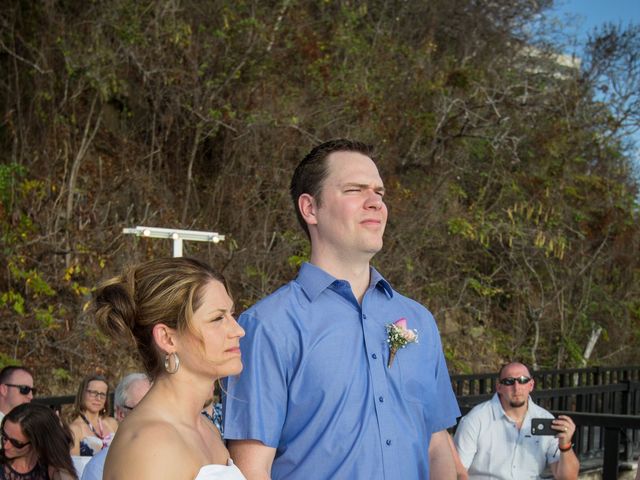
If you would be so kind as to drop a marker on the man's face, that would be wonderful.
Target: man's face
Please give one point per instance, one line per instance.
(12, 396)
(136, 391)
(352, 216)
(516, 395)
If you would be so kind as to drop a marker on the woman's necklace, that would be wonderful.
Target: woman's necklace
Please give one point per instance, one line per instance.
(90, 425)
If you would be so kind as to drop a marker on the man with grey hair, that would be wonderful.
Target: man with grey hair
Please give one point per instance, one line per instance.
(128, 394)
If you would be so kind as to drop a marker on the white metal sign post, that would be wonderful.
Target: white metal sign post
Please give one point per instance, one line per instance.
(176, 235)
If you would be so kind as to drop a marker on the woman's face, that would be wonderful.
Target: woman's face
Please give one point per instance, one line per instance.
(95, 396)
(220, 333)
(14, 443)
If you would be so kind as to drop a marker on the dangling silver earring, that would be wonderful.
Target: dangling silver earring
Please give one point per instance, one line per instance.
(167, 362)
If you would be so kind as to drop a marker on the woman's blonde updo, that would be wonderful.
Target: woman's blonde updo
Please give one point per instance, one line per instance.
(163, 290)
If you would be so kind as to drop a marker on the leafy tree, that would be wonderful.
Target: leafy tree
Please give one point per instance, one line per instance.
(514, 211)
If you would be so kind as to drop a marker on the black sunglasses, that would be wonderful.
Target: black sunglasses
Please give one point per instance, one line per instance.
(23, 389)
(13, 441)
(512, 380)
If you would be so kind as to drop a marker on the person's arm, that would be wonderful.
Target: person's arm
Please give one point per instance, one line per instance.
(252, 457)
(568, 467)
(441, 464)
(466, 440)
(461, 472)
(55, 474)
(76, 431)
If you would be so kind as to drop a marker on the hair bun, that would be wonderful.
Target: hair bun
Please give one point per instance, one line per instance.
(115, 309)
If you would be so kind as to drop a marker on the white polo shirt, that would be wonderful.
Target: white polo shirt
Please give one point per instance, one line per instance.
(491, 446)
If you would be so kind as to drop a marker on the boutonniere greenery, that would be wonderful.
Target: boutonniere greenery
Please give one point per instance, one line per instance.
(399, 336)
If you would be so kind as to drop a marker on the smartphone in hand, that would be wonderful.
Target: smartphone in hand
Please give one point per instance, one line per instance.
(542, 426)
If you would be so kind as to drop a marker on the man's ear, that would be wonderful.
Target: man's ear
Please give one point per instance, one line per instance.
(165, 338)
(308, 208)
(119, 414)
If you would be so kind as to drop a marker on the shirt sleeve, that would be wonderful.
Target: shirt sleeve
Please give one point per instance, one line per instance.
(255, 402)
(466, 440)
(553, 452)
(446, 403)
(94, 468)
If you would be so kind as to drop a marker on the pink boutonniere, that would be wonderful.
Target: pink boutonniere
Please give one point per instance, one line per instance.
(399, 336)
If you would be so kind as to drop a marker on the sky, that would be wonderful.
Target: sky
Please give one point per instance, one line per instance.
(592, 13)
(587, 14)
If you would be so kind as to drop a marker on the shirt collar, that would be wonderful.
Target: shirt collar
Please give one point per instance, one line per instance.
(314, 281)
(498, 410)
(379, 281)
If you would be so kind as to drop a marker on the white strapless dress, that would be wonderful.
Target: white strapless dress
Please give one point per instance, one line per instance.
(220, 472)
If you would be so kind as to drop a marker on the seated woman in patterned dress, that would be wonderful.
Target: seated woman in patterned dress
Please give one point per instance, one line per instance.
(92, 428)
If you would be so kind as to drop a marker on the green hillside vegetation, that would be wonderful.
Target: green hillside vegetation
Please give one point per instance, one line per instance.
(512, 196)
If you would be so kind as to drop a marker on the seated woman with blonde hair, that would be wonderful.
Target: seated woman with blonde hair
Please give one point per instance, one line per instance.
(92, 428)
(180, 315)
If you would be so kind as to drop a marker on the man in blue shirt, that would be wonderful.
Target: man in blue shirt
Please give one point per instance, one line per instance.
(318, 397)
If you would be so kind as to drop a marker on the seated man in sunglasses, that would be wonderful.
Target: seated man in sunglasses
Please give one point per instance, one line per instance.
(494, 439)
(16, 388)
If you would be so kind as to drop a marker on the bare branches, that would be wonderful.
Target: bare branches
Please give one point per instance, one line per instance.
(22, 59)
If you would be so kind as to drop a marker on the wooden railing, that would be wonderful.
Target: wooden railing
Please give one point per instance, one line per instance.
(482, 383)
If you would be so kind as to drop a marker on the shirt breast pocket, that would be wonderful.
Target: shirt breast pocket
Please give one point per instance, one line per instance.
(417, 373)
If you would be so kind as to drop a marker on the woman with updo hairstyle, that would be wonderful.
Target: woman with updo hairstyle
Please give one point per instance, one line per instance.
(35, 445)
(180, 316)
(90, 425)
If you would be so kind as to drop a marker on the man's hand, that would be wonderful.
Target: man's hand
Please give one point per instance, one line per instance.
(568, 467)
(566, 428)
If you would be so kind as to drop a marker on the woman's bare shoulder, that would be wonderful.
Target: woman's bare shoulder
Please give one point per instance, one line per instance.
(111, 422)
(74, 421)
(56, 474)
(146, 448)
(142, 428)
(76, 426)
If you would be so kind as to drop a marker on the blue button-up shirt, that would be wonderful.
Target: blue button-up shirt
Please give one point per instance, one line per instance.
(316, 386)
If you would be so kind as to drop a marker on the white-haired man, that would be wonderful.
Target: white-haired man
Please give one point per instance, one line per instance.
(128, 394)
